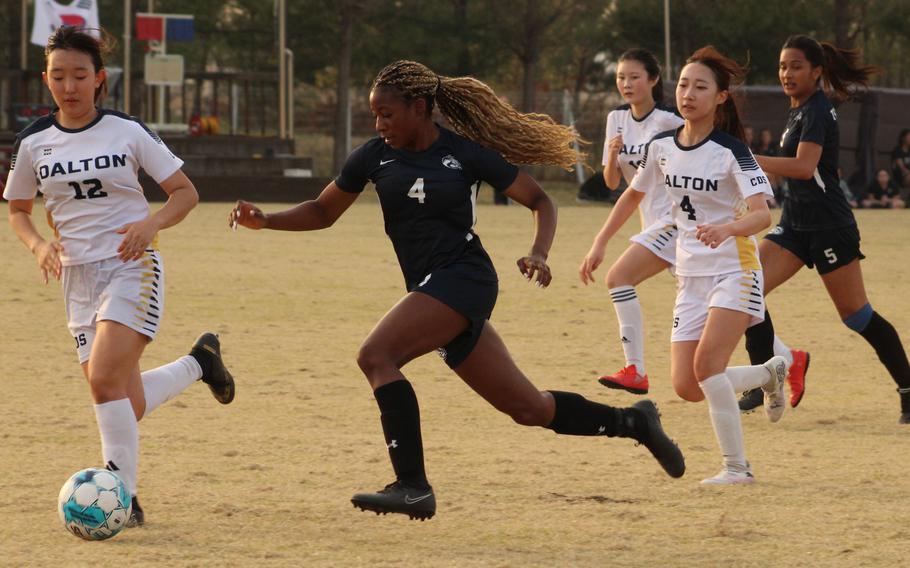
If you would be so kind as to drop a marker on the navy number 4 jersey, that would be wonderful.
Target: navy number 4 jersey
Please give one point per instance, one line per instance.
(428, 198)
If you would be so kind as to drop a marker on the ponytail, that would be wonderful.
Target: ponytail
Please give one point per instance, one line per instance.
(475, 111)
(657, 91)
(842, 69)
(727, 73)
(727, 119)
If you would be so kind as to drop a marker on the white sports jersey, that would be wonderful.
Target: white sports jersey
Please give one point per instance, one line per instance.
(708, 184)
(89, 178)
(636, 133)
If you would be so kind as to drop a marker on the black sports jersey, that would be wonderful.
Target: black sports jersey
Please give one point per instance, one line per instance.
(428, 198)
(818, 202)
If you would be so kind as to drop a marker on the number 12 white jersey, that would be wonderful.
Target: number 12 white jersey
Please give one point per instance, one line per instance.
(708, 184)
(89, 178)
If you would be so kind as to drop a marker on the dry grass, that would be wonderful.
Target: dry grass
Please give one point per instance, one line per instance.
(266, 481)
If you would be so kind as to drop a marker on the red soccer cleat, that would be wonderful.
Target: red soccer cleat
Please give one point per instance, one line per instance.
(628, 379)
(796, 378)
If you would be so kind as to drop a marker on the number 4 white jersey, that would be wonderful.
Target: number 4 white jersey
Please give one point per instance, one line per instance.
(708, 184)
(89, 178)
(636, 133)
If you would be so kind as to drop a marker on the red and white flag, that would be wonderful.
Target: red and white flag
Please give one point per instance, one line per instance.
(50, 15)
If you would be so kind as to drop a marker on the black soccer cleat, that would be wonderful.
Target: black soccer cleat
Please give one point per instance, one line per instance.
(415, 502)
(653, 437)
(137, 517)
(752, 399)
(207, 351)
(905, 418)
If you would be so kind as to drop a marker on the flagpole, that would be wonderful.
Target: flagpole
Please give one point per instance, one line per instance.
(282, 73)
(668, 67)
(127, 52)
(23, 46)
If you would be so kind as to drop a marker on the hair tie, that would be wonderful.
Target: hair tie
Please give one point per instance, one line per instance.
(438, 84)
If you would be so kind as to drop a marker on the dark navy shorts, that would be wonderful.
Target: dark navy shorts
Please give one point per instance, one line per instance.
(470, 290)
(825, 250)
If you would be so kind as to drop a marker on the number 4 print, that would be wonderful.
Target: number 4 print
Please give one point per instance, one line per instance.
(686, 206)
(417, 192)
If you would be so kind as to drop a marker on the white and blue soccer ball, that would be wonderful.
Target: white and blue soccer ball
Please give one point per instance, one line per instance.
(94, 504)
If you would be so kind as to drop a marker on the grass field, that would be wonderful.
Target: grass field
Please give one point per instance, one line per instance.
(266, 481)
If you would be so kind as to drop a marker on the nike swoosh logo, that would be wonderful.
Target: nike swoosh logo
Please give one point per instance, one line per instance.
(384, 162)
(409, 501)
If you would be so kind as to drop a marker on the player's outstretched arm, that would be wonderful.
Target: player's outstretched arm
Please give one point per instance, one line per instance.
(319, 213)
(526, 191)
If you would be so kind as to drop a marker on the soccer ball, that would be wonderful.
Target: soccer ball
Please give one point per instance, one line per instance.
(94, 504)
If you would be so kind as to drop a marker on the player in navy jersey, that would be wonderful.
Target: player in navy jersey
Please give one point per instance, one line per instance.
(817, 227)
(427, 179)
(85, 160)
(719, 197)
(629, 128)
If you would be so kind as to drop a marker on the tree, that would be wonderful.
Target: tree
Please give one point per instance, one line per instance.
(527, 36)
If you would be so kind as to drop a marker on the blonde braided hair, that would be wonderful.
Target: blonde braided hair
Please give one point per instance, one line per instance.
(475, 112)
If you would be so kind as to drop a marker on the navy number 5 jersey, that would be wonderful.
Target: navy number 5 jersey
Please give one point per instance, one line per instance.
(816, 203)
(428, 198)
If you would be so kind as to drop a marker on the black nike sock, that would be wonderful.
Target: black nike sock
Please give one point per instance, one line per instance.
(400, 417)
(760, 341)
(882, 336)
(578, 416)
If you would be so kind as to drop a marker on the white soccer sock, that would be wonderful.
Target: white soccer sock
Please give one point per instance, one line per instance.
(726, 421)
(165, 382)
(119, 439)
(628, 312)
(747, 378)
(782, 350)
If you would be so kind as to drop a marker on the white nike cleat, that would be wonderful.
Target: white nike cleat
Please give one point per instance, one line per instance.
(775, 401)
(728, 477)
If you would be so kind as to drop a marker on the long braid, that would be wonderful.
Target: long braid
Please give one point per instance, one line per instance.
(475, 112)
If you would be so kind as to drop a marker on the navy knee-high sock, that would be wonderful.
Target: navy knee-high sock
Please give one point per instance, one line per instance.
(578, 416)
(882, 336)
(760, 341)
(400, 417)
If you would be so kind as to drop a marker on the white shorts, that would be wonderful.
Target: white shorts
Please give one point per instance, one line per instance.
(660, 239)
(695, 295)
(131, 293)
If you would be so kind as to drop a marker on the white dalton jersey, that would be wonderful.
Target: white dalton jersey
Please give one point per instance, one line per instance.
(89, 178)
(636, 133)
(708, 184)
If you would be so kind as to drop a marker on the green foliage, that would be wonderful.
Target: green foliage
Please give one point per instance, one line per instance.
(484, 37)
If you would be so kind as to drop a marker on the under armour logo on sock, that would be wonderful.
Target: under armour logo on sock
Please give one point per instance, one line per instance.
(624, 340)
(111, 466)
(394, 444)
(601, 429)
